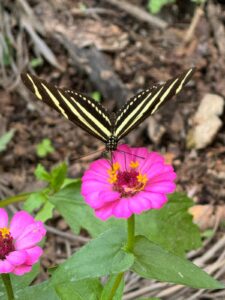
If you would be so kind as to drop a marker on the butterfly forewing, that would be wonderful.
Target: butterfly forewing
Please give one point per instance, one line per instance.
(144, 104)
(93, 117)
(78, 108)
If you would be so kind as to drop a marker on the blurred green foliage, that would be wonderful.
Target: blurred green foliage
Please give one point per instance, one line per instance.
(5, 139)
(154, 6)
(96, 95)
(36, 62)
(44, 148)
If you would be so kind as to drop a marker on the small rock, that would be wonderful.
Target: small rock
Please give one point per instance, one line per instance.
(211, 105)
(205, 132)
(207, 216)
(206, 121)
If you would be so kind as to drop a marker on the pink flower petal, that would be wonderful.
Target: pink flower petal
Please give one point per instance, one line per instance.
(163, 177)
(22, 270)
(17, 258)
(5, 266)
(90, 186)
(157, 200)
(33, 255)
(93, 200)
(154, 170)
(100, 166)
(100, 173)
(95, 177)
(109, 196)
(121, 199)
(161, 187)
(105, 211)
(122, 209)
(19, 222)
(138, 203)
(32, 234)
(3, 218)
(140, 154)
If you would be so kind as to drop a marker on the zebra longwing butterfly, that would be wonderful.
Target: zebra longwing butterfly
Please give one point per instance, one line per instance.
(94, 118)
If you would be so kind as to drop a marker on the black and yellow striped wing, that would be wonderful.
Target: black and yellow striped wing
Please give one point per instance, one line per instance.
(144, 104)
(78, 108)
(93, 117)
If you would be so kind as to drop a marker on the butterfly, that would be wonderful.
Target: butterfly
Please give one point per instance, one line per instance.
(91, 116)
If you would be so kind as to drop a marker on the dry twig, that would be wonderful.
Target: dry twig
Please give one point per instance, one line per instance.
(195, 20)
(139, 13)
(214, 14)
(67, 235)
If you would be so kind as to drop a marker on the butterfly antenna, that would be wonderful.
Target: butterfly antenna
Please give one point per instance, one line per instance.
(142, 157)
(124, 155)
(86, 155)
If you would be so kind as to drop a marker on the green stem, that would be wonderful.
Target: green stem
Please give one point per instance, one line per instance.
(8, 286)
(129, 247)
(116, 284)
(14, 199)
(130, 233)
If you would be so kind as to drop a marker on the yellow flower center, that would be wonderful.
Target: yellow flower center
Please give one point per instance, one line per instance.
(6, 242)
(4, 232)
(113, 172)
(134, 164)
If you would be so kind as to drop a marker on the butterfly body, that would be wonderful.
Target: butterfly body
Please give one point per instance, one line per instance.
(94, 118)
(111, 143)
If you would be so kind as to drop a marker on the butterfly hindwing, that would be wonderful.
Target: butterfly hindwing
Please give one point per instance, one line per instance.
(78, 108)
(94, 118)
(144, 104)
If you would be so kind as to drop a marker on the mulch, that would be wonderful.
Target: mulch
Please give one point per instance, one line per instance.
(137, 55)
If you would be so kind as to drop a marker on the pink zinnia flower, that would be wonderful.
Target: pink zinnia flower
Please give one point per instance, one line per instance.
(137, 180)
(18, 250)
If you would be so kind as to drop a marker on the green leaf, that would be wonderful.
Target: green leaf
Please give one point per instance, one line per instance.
(34, 201)
(46, 212)
(68, 181)
(96, 95)
(41, 173)
(208, 233)
(100, 257)
(58, 175)
(108, 288)
(44, 148)
(5, 139)
(154, 6)
(36, 62)
(43, 291)
(19, 282)
(7, 49)
(81, 290)
(69, 202)
(152, 261)
(23, 281)
(171, 226)
(7, 58)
